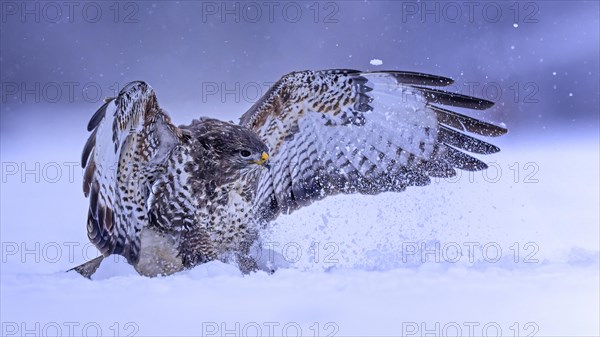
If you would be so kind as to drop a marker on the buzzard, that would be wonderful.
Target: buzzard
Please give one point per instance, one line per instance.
(169, 198)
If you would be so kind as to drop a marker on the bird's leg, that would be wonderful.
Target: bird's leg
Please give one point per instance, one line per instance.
(246, 262)
(89, 268)
(195, 247)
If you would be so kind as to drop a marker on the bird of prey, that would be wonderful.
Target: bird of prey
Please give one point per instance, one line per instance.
(168, 198)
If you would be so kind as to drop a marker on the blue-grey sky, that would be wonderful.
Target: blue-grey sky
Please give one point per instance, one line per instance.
(59, 59)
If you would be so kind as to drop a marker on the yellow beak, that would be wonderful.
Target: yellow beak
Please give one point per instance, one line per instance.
(263, 158)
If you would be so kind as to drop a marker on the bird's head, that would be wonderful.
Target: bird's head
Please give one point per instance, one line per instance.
(232, 147)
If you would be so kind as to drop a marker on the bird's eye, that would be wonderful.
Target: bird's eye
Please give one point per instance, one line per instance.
(245, 153)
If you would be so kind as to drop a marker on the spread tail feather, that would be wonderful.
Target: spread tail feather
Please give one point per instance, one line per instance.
(89, 268)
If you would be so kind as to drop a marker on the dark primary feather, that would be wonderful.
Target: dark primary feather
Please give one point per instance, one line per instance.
(99, 115)
(466, 123)
(454, 99)
(87, 148)
(463, 161)
(414, 78)
(465, 142)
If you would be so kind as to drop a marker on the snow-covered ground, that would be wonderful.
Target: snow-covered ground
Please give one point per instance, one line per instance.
(514, 253)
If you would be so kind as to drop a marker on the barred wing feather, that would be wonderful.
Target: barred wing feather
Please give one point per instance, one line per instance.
(346, 131)
(130, 137)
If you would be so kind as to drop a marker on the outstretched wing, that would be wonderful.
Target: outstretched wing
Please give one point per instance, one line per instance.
(130, 137)
(346, 131)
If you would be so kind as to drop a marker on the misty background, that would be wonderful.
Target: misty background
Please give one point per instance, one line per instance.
(538, 60)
